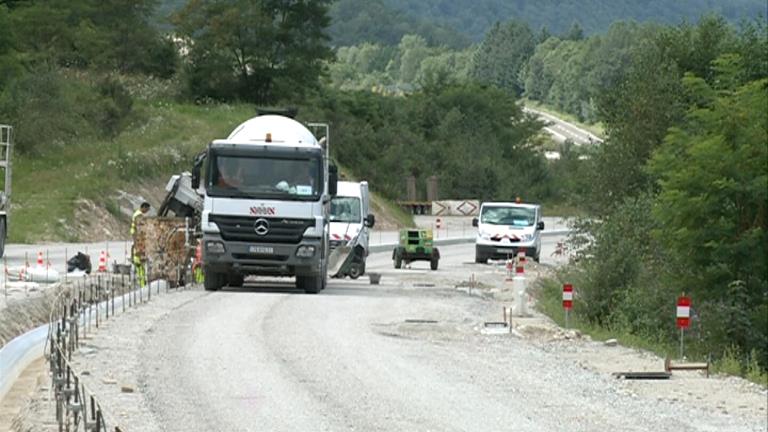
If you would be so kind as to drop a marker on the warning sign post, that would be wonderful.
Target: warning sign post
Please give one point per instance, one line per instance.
(567, 301)
(683, 318)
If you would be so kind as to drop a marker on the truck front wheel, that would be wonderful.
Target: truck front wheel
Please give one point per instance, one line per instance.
(310, 284)
(213, 280)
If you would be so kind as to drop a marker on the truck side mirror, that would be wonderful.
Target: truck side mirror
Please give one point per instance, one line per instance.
(333, 179)
(540, 226)
(475, 222)
(195, 177)
(370, 220)
(196, 167)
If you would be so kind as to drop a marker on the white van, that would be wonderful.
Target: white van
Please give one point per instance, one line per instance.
(505, 228)
(350, 220)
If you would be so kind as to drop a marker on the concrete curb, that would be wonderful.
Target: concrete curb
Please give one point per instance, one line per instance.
(22, 350)
(19, 353)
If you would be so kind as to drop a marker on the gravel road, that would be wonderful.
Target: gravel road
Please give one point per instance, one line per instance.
(356, 358)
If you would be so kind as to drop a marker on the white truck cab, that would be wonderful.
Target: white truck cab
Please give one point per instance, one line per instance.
(351, 222)
(267, 191)
(504, 228)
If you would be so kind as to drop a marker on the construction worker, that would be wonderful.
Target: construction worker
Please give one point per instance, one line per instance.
(141, 274)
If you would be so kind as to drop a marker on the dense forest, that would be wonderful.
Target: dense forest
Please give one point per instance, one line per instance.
(675, 199)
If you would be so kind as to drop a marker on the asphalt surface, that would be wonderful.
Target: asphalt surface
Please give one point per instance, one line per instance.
(360, 357)
(562, 130)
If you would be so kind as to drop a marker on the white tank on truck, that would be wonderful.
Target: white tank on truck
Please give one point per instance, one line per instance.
(267, 190)
(351, 222)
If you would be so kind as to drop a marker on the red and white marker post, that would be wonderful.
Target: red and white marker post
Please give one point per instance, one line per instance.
(683, 318)
(567, 301)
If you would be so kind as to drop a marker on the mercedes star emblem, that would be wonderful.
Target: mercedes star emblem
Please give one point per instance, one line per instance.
(261, 227)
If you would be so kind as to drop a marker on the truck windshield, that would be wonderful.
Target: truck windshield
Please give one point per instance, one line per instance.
(515, 216)
(345, 209)
(265, 177)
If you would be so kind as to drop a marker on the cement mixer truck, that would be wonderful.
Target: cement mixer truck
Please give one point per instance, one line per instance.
(266, 194)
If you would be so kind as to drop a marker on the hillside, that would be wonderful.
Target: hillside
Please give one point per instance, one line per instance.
(472, 18)
(91, 187)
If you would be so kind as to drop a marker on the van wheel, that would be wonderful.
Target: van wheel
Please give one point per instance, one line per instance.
(479, 259)
(355, 271)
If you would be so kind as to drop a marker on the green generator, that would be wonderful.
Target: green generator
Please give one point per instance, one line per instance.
(415, 245)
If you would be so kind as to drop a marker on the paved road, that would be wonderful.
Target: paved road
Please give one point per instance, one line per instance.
(266, 358)
(58, 253)
(562, 130)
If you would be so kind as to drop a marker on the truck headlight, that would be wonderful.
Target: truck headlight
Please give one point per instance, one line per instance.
(305, 251)
(215, 247)
(527, 237)
(484, 235)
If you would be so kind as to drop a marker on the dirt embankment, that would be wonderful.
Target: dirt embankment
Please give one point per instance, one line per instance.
(111, 218)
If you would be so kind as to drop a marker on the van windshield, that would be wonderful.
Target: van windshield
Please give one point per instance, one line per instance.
(515, 216)
(345, 209)
(265, 177)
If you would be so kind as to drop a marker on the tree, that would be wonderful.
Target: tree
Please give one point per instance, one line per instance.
(254, 50)
(712, 207)
(9, 64)
(103, 34)
(575, 33)
(502, 55)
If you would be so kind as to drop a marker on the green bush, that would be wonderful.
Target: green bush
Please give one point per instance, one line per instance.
(50, 109)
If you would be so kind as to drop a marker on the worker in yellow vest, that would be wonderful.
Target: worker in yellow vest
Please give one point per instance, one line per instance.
(141, 274)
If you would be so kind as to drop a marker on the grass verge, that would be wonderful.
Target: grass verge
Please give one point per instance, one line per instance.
(548, 292)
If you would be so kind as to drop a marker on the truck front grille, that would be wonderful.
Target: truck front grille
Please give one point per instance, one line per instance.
(243, 229)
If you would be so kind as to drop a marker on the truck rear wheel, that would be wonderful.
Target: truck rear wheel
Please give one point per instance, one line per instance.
(213, 280)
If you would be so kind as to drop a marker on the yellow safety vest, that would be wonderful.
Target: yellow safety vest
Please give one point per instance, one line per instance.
(135, 219)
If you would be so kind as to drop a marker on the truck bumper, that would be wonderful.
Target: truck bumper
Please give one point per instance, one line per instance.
(263, 259)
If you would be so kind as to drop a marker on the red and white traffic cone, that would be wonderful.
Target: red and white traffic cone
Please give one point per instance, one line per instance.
(510, 270)
(40, 262)
(521, 259)
(102, 262)
(518, 287)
